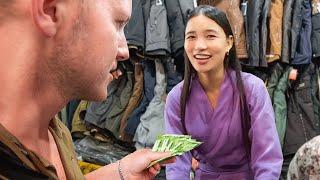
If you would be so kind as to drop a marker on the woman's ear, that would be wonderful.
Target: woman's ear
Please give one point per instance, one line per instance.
(229, 42)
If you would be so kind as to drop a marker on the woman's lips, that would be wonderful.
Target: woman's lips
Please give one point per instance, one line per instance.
(202, 56)
(202, 59)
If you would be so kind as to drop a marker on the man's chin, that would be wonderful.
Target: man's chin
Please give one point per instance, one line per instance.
(102, 97)
(97, 97)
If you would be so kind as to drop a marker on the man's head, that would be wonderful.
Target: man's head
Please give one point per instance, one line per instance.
(77, 42)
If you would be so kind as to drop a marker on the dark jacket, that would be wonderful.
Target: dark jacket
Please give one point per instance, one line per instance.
(301, 33)
(186, 6)
(315, 36)
(256, 25)
(12, 167)
(176, 25)
(135, 29)
(286, 33)
(302, 124)
(296, 43)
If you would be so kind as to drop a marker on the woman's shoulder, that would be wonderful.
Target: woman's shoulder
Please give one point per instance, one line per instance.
(252, 84)
(175, 92)
(251, 80)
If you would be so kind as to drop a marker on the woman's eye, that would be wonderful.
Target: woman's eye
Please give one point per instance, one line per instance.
(190, 37)
(211, 36)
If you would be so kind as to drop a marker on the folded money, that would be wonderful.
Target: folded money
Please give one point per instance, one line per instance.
(176, 144)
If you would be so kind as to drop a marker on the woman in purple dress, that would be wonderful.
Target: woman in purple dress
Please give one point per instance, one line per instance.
(228, 110)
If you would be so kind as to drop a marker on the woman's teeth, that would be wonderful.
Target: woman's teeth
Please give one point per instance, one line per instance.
(202, 56)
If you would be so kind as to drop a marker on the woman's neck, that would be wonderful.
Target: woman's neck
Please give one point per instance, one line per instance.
(212, 80)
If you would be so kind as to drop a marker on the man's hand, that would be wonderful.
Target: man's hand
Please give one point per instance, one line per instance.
(134, 165)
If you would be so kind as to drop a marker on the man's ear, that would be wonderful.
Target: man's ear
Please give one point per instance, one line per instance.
(44, 14)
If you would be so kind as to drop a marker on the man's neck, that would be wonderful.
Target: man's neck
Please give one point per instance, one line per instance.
(26, 114)
(29, 99)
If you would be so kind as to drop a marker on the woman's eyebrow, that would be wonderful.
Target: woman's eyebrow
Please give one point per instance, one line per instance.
(211, 30)
(190, 32)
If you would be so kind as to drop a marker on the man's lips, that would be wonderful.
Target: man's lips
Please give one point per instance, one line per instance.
(113, 69)
(110, 76)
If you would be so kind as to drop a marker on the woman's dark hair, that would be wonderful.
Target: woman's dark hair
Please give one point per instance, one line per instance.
(230, 61)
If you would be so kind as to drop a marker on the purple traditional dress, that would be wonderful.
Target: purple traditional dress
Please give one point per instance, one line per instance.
(222, 154)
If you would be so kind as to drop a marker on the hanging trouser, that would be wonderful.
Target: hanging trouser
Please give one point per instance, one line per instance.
(149, 84)
(152, 121)
(133, 103)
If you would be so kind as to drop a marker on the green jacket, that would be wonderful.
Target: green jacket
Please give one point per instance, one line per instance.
(280, 104)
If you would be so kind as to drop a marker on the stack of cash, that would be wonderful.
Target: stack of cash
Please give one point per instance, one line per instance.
(176, 144)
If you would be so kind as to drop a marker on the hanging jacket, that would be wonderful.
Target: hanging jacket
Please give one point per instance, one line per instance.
(315, 82)
(276, 74)
(108, 114)
(280, 104)
(301, 33)
(152, 121)
(176, 25)
(302, 125)
(296, 42)
(157, 30)
(134, 101)
(235, 17)
(274, 42)
(186, 6)
(135, 29)
(315, 36)
(257, 12)
(286, 33)
(149, 79)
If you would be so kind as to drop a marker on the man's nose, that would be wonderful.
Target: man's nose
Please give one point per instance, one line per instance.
(123, 51)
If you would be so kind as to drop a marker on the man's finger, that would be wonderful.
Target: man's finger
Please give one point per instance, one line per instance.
(152, 156)
(153, 171)
(168, 161)
(157, 167)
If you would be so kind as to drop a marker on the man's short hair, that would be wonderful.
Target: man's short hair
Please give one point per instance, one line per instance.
(5, 9)
(5, 3)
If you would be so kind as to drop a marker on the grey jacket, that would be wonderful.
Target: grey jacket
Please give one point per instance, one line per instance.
(157, 30)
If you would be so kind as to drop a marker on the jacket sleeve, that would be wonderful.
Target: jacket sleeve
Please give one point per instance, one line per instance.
(257, 32)
(266, 154)
(181, 168)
